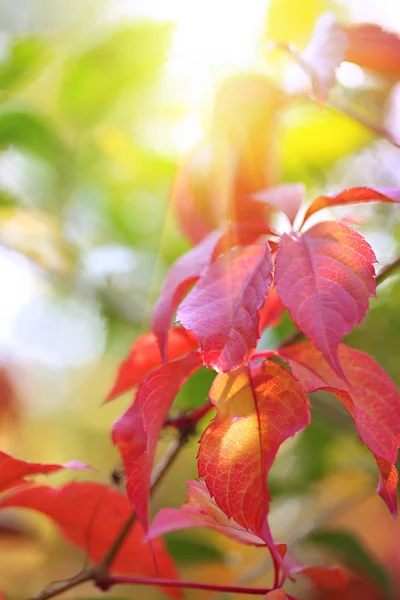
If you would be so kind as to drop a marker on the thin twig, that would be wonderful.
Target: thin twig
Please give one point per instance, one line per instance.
(194, 585)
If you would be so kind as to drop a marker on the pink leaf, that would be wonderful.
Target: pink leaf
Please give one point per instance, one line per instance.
(13, 471)
(287, 198)
(184, 272)
(325, 277)
(370, 397)
(222, 309)
(145, 356)
(355, 195)
(200, 510)
(324, 53)
(136, 433)
(90, 516)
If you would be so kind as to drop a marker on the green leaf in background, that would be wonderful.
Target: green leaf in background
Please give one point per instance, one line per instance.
(195, 391)
(29, 131)
(351, 552)
(129, 58)
(189, 550)
(24, 60)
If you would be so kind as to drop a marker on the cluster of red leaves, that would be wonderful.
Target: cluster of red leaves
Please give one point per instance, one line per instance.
(239, 278)
(324, 276)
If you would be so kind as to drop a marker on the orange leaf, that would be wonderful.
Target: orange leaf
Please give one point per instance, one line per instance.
(145, 355)
(258, 409)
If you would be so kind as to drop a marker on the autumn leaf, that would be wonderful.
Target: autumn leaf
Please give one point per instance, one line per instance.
(13, 471)
(222, 308)
(90, 516)
(370, 397)
(372, 47)
(271, 313)
(184, 272)
(286, 198)
(144, 356)
(200, 510)
(355, 195)
(278, 594)
(324, 53)
(137, 431)
(258, 409)
(325, 277)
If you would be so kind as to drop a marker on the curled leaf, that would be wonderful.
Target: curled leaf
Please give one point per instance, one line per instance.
(355, 195)
(137, 431)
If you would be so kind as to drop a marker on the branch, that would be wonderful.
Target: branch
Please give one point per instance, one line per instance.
(232, 589)
(383, 274)
(100, 572)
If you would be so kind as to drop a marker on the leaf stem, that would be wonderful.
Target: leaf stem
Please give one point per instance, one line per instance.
(194, 585)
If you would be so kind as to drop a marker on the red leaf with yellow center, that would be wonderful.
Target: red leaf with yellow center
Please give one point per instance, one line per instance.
(258, 409)
(137, 431)
(222, 309)
(370, 397)
(325, 277)
(145, 356)
(90, 516)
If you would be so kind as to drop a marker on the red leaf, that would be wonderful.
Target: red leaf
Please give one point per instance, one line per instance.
(136, 433)
(355, 195)
(335, 578)
(184, 272)
(145, 356)
(272, 311)
(287, 198)
(13, 471)
(370, 397)
(258, 409)
(372, 47)
(90, 516)
(200, 510)
(222, 309)
(325, 51)
(325, 277)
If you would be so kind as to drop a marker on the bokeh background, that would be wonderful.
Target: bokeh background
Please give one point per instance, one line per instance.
(100, 101)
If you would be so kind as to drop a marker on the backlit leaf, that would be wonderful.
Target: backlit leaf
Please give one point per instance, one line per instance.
(137, 431)
(325, 277)
(200, 510)
(90, 516)
(144, 356)
(13, 471)
(222, 309)
(355, 195)
(182, 275)
(370, 397)
(325, 52)
(258, 409)
(374, 48)
(287, 198)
